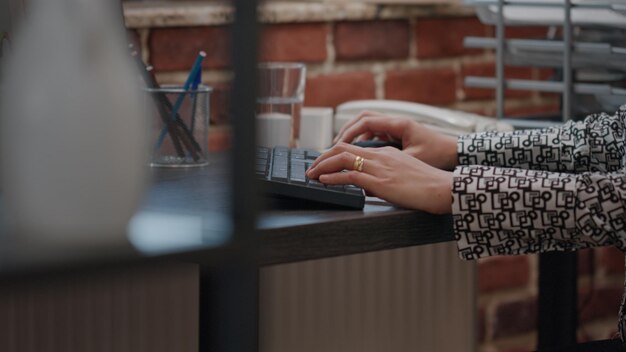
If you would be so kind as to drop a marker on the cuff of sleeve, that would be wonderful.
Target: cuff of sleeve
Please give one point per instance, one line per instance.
(484, 148)
(502, 211)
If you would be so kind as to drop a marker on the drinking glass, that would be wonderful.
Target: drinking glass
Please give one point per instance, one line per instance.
(281, 92)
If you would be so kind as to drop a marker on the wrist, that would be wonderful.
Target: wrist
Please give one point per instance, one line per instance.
(450, 152)
(444, 193)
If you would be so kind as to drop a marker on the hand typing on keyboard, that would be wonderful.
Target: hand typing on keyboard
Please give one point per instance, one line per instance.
(413, 177)
(283, 172)
(387, 173)
(420, 142)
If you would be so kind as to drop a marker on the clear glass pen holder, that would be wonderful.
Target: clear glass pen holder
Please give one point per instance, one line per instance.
(179, 127)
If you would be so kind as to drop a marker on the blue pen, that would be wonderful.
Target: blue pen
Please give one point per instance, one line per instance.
(194, 96)
(195, 69)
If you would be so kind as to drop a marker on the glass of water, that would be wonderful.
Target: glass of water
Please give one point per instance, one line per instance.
(281, 94)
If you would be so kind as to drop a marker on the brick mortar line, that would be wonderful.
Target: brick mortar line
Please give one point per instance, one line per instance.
(413, 47)
(601, 279)
(331, 65)
(396, 64)
(219, 129)
(595, 327)
(405, 63)
(490, 104)
(498, 297)
(533, 269)
(144, 37)
(614, 279)
(213, 76)
(144, 15)
(460, 87)
(478, 103)
(598, 284)
(331, 53)
(376, 68)
(380, 76)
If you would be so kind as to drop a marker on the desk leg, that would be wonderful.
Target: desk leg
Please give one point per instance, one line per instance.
(557, 316)
(229, 309)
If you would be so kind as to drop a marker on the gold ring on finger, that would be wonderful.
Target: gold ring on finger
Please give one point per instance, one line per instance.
(358, 164)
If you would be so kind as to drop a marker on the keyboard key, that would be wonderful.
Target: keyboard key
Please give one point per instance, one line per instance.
(316, 184)
(279, 176)
(354, 190)
(260, 169)
(301, 180)
(282, 173)
(299, 175)
(337, 188)
(312, 155)
(298, 165)
(284, 170)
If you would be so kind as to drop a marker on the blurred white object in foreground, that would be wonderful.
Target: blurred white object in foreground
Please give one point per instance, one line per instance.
(73, 128)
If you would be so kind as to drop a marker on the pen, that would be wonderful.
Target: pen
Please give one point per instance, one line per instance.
(160, 100)
(194, 88)
(195, 69)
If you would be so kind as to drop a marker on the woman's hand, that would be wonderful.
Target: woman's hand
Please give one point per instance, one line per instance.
(417, 140)
(387, 173)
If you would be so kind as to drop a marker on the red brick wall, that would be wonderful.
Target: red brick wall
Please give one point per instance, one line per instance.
(417, 59)
(507, 308)
(421, 60)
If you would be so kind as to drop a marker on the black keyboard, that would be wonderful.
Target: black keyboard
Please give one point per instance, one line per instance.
(283, 171)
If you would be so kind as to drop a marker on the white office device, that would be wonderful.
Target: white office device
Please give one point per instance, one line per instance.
(316, 128)
(273, 128)
(448, 121)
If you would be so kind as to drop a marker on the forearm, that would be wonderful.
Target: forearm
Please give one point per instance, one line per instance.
(513, 211)
(596, 144)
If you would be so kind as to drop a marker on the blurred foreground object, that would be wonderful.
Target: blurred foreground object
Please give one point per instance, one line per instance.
(73, 136)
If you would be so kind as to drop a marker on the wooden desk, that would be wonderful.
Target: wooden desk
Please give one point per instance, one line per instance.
(294, 231)
(186, 216)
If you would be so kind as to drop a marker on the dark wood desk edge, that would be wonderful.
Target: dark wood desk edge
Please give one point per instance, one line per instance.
(315, 241)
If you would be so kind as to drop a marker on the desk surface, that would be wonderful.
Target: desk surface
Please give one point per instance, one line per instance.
(187, 211)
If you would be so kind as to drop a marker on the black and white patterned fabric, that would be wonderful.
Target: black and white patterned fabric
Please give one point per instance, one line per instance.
(541, 190)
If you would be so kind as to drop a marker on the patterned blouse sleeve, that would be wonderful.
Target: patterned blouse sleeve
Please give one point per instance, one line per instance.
(595, 144)
(501, 210)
